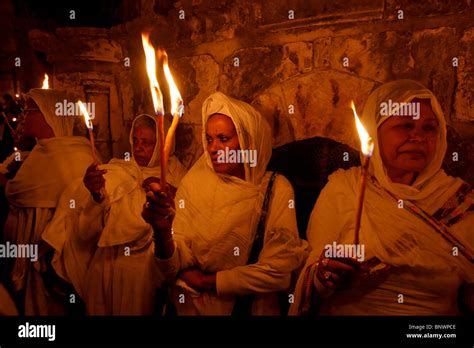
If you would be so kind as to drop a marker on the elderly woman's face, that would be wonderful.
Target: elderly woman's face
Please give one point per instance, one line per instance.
(408, 145)
(144, 140)
(221, 133)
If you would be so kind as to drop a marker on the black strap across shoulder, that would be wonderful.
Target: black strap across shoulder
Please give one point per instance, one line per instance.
(243, 304)
(257, 245)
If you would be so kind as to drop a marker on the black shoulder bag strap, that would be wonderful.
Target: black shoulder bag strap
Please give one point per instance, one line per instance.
(243, 304)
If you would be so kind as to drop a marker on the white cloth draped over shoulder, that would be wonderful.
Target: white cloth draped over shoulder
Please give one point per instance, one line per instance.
(216, 221)
(35, 190)
(424, 268)
(106, 250)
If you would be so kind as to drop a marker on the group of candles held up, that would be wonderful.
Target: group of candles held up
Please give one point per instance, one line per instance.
(166, 99)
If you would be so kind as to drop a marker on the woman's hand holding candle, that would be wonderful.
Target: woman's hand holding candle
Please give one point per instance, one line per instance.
(339, 273)
(95, 182)
(159, 211)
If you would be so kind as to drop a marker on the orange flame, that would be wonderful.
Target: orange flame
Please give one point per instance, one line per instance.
(151, 71)
(45, 82)
(175, 96)
(156, 92)
(87, 118)
(366, 142)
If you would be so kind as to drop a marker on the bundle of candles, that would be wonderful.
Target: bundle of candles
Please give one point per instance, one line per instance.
(166, 98)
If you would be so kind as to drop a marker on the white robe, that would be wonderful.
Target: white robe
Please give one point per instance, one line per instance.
(33, 195)
(424, 270)
(106, 250)
(216, 222)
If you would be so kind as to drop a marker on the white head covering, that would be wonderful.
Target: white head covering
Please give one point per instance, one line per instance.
(146, 120)
(125, 193)
(404, 91)
(124, 223)
(46, 100)
(222, 210)
(54, 162)
(253, 131)
(407, 240)
(388, 231)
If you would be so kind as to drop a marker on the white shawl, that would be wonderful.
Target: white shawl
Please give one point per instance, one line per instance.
(117, 222)
(389, 232)
(217, 217)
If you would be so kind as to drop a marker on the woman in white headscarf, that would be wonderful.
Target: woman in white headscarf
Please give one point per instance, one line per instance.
(218, 208)
(103, 246)
(57, 159)
(416, 226)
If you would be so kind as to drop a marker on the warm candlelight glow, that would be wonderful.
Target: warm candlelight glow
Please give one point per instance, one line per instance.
(156, 92)
(176, 100)
(14, 119)
(367, 145)
(45, 82)
(87, 118)
(172, 105)
(151, 71)
(88, 121)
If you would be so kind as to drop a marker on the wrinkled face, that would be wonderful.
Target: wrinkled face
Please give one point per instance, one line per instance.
(408, 145)
(144, 141)
(33, 123)
(221, 133)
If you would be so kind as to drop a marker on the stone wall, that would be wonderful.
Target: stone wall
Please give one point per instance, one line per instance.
(299, 62)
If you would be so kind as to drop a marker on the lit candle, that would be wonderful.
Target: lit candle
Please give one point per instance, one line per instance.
(367, 147)
(45, 82)
(177, 106)
(90, 127)
(168, 91)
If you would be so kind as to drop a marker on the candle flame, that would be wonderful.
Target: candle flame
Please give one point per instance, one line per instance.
(366, 142)
(87, 118)
(45, 82)
(176, 100)
(151, 71)
(156, 92)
